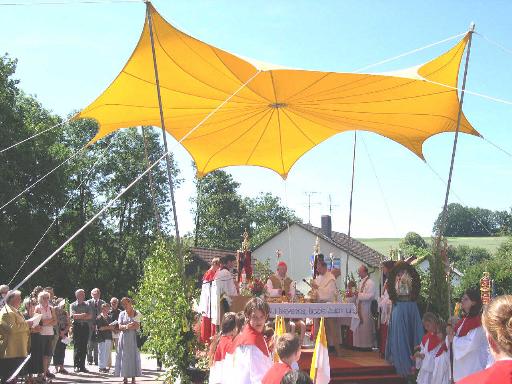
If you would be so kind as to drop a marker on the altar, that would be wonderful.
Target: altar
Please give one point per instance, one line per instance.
(345, 311)
(313, 310)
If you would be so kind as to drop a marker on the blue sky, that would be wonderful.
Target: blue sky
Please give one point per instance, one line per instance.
(68, 54)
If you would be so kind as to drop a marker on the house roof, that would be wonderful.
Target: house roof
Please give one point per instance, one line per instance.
(422, 259)
(357, 249)
(208, 254)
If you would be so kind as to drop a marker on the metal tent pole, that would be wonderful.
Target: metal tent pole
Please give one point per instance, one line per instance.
(350, 209)
(454, 149)
(164, 136)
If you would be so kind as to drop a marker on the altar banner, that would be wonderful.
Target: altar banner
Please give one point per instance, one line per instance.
(313, 310)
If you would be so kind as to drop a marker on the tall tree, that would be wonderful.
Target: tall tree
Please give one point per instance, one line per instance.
(220, 211)
(266, 216)
(223, 215)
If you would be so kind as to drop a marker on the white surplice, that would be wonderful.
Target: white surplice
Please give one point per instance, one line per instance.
(364, 333)
(470, 353)
(326, 287)
(385, 306)
(427, 363)
(223, 287)
(441, 373)
(247, 366)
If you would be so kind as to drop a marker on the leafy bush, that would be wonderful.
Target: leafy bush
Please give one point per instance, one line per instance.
(165, 299)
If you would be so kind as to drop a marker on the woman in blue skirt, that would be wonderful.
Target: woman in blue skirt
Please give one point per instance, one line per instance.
(128, 356)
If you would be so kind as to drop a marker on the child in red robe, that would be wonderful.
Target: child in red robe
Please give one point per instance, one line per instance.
(220, 345)
(251, 358)
(430, 344)
(497, 323)
(207, 328)
(288, 349)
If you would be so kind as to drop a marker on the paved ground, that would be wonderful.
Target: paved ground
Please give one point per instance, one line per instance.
(149, 372)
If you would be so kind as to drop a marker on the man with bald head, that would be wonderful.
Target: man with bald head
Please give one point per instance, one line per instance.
(81, 314)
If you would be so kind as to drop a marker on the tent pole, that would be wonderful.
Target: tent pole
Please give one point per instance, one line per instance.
(444, 215)
(164, 136)
(150, 179)
(350, 208)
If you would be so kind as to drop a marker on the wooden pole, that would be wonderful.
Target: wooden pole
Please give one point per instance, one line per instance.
(164, 135)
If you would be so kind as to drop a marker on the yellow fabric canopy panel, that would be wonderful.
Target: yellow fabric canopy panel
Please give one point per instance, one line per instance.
(281, 113)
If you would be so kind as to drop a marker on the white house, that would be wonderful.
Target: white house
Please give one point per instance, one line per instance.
(296, 246)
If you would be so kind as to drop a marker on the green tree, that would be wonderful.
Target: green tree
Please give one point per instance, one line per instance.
(499, 267)
(464, 256)
(24, 219)
(220, 211)
(266, 216)
(414, 240)
(222, 214)
(474, 221)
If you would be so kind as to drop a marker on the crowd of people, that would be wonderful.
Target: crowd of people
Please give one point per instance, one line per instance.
(475, 348)
(36, 330)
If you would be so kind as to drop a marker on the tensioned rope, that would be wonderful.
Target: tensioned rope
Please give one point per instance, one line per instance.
(135, 181)
(43, 177)
(383, 195)
(288, 227)
(458, 197)
(70, 2)
(500, 46)
(61, 211)
(408, 53)
(34, 136)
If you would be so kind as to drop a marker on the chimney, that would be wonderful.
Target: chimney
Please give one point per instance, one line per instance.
(326, 225)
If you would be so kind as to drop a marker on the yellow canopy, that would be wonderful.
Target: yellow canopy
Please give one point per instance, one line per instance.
(281, 113)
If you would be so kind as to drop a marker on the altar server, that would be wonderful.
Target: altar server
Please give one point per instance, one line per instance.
(385, 306)
(470, 348)
(205, 304)
(251, 358)
(430, 344)
(364, 331)
(220, 345)
(222, 289)
(441, 373)
(497, 323)
(288, 350)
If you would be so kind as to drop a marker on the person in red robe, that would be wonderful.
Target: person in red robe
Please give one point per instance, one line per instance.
(251, 358)
(470, 347)
(288, 350)
(220, 346)
(207, 328)
(497, 323)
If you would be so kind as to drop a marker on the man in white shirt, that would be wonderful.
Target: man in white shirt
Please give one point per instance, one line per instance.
(364, 332)
(222, 289)
(325, 289)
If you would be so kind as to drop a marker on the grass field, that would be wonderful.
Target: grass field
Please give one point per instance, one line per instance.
(384, 245)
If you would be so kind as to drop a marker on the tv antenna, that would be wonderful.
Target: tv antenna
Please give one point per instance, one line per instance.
(331, 205)
(309, 194)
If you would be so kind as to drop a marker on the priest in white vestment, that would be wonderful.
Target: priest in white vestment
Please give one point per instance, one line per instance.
(326, 291)
(364, 330)
(222, 289)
